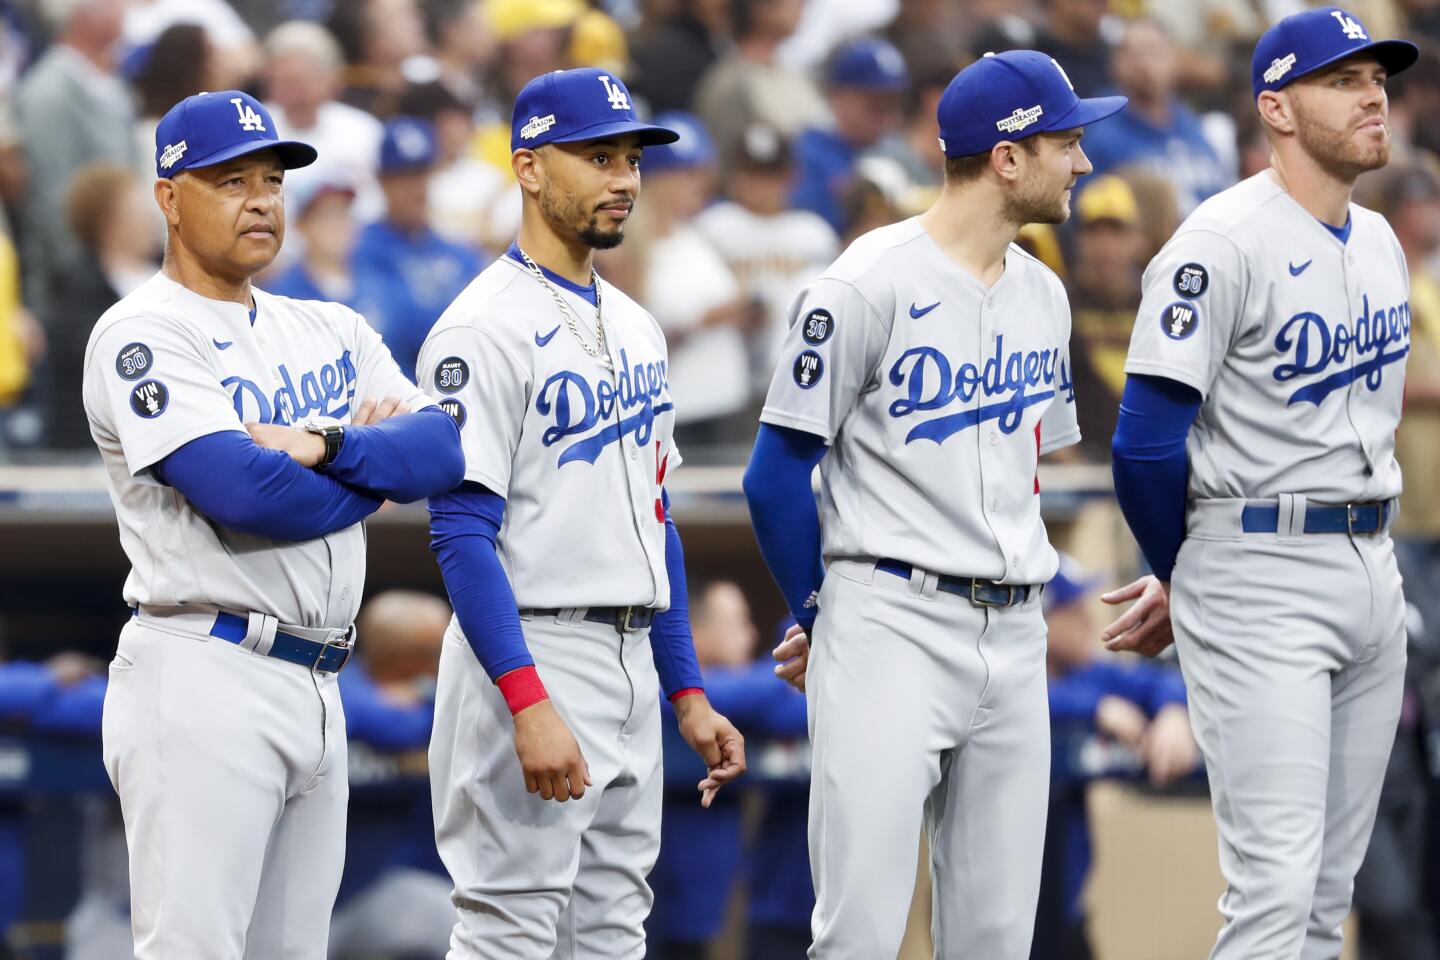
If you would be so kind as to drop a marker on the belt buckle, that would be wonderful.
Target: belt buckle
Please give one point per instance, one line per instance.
(978, 601)
(622, 622)
(341, 644)
(1350, 509)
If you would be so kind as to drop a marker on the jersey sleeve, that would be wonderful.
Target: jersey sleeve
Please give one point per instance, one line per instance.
(1059, 425)
(829, 354)
(486, 391)
(153, 385)
(1191, 310)
(377, 375)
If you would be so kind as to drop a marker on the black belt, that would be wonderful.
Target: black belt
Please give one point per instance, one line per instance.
(321, 656)
(982, 593)
(1352, 518)
(623, 619)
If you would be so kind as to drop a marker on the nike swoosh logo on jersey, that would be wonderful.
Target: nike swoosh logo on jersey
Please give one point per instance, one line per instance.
(222, 345)
(1296, 271)
(918, 312)
(541, 341)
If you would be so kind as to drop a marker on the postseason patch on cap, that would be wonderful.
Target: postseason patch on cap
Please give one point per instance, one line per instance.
(1179, 320)
(536, 126)
(1191, 281)
(1279, 67)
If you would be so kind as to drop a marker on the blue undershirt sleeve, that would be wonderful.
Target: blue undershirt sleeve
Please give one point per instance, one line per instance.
(784, 514)
(1150, 465)
(404, 458)
(464, 526)
(671, 640)
(246, 487)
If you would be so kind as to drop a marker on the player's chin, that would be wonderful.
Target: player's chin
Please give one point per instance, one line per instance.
(600, 236)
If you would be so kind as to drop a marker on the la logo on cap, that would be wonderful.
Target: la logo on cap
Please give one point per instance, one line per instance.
(616, 93)
(249, 119)
(1353, 30)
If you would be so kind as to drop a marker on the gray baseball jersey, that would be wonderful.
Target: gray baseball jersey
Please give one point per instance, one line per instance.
(937, 397)
(165, 366)
(1295, 340)
(579, 453)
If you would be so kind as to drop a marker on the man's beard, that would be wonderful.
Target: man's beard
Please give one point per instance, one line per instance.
(1335, 151)
(1031, 204)
(564, 211)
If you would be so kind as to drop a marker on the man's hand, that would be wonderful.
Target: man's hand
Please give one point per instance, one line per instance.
(370, 412)
(304, 447)
(794, 657)
(549, 754)
(1145, 627)
(1122, 721)
(715, 739)
(1169, 750)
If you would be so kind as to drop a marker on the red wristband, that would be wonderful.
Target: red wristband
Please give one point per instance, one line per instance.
(685, 693)
(521, 688)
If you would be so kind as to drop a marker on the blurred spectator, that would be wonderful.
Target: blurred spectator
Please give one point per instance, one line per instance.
(72, 111)
(1104, 287)
(394, 898)
(236, 52)
(597, 40)
(471, 202)
(1156, 132)
(302, 80)
(1159, 211)
(406, 274)
(1207, 34)
(376, 37)
(22, 346)
(772, 250)
(322, 215)
(916, 146)
(675, 44)
(1076, 33)
(533, 38)
(1136, 706)
(700, 849)
(1415, 103)
(181, 62)
(933, 32)
(865, 83)
(1409, 197)
(111, 214)
(750, 84)
(685, 283)
(461, 46)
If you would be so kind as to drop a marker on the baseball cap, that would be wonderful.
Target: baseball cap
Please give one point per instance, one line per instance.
(1070, 584)
(762, 147)
(408, 144)
(1305, 42)
(210, 128)
(869, 64)
(1108, 198)
(693, 149)
(567, 106)
(1009, 96)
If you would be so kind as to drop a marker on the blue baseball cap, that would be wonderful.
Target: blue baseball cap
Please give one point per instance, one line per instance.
(1071, 584)
(1305, 42)
(210, 128)
(408, 144)
(567, 106)
(869, 64)
(693, 149)
(1010, 96)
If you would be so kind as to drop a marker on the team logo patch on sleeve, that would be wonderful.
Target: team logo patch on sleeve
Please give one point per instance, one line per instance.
(149, 399)
(808, 369)
(456, 409)
(1179, 320)
(818, 325)
(451, 375)
(1191, 281)
(134, 361)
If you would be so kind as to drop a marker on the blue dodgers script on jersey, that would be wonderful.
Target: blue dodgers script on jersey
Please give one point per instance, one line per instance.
(930, 384)
(1317, 347)
(578, 408)
(317, 395)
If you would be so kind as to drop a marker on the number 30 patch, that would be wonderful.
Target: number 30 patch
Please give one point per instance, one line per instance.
(817, 327)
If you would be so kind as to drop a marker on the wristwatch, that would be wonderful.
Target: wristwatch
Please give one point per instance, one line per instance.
(334, 433)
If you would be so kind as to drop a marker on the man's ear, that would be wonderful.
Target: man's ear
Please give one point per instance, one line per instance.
(528, 167)
(167, 198)
(1277, 110)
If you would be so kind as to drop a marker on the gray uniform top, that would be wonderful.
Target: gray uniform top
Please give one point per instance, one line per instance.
(165, 366)
(579, 452)
(1296, 341)
(936, 396)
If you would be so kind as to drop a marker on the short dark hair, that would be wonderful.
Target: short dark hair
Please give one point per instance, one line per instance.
(961, 170)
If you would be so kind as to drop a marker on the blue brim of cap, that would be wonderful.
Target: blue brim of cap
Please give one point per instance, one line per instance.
(649, 133)
(1395, 56)
(292, 154)
(1087, 112)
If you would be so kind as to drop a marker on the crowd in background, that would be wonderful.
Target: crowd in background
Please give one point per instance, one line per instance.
(804, 123)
